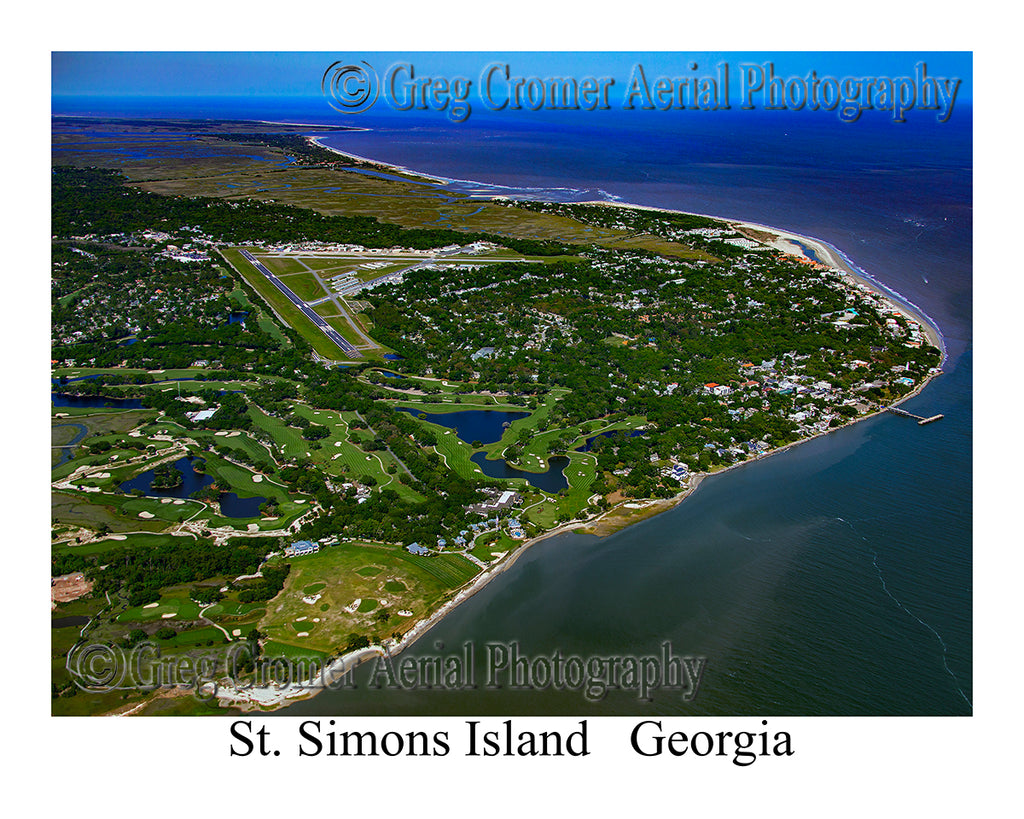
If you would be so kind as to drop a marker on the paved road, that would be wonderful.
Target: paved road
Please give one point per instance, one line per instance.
(307, 311)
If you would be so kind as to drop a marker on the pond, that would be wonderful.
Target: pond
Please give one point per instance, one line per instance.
(587, 444)
(60, 399)
(389, 374)
(551, 481)
(486, 426)
(231, 505)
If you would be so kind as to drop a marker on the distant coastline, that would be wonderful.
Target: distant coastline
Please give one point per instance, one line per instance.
(826, 251)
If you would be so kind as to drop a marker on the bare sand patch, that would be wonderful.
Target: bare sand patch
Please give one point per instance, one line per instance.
(69, 587)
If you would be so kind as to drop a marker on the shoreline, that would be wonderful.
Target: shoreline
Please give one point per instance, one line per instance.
(335, 670)
(827, 252)
(830, 256)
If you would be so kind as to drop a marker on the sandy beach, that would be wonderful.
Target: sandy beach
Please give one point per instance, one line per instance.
(787, 242)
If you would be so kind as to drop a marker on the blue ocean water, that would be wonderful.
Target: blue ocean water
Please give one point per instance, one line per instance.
(833, 578)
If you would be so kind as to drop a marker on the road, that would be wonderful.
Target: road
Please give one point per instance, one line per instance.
(303, 308)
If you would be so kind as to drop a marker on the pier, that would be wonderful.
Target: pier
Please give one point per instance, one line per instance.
(921, 421)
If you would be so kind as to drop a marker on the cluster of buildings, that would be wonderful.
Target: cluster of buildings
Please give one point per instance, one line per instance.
(497, 501)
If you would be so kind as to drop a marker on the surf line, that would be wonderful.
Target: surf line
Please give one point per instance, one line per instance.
(896, 600)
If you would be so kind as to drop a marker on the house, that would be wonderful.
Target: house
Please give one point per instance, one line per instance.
(483, 352)
(300, 548)
(416, 549)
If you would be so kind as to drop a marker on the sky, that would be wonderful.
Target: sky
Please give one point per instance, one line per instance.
(296, 74)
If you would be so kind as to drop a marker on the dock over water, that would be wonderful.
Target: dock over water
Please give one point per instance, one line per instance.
(921, 421)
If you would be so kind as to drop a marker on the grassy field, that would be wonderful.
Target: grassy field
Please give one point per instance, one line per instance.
(93, 511)
(338, 454)
(399, 582)
(282, 266)
(304, 285)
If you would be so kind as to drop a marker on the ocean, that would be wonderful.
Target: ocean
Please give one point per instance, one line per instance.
(833, 578)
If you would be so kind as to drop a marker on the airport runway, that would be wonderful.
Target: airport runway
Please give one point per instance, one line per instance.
(307, 311)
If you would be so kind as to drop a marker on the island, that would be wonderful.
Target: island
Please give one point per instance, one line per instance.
(304, 403)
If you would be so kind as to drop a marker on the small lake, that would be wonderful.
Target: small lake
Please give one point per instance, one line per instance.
(238, 317)
(231, 505)
(486, 426)
(389, 374)
(551, 481)
(60, 399)
(392, 357)
(808, 252)
(589, 443)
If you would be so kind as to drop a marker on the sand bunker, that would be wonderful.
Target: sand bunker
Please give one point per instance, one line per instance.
(167, 616)
(302, 634)
(404, 613)
(351, 608)
(221, 432)
(146, 515)
(166, 500)
(151, 605)
(237, 632)
(253, 527)
(300, 619)
(311, 599)
(257, 478)
(178, 502)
